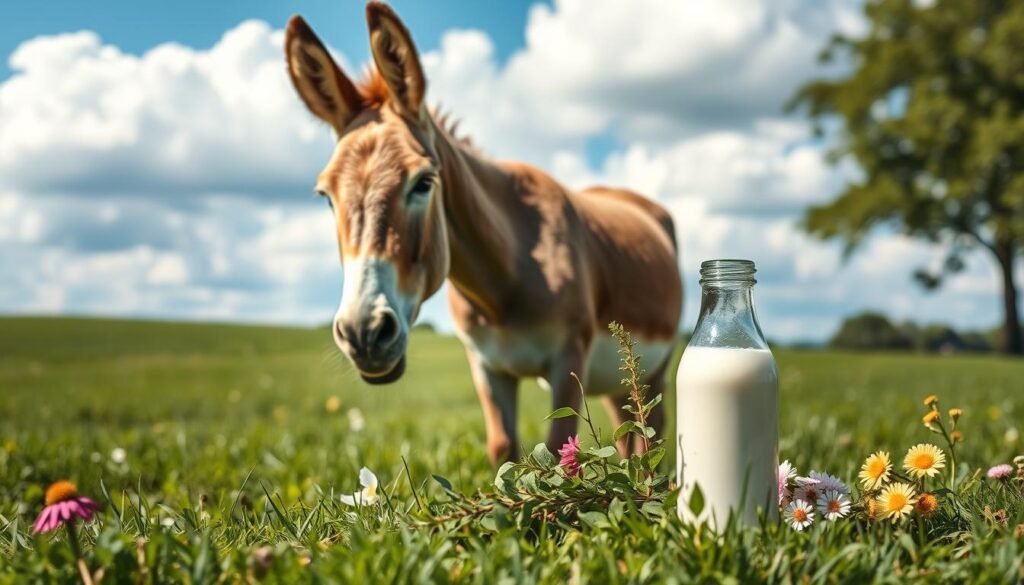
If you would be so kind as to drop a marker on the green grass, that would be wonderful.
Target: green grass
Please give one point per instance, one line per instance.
(201, 408)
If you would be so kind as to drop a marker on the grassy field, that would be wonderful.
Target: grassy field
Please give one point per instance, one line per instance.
(237, 438)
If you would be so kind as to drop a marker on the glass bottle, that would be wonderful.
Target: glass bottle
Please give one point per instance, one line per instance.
(727, 404)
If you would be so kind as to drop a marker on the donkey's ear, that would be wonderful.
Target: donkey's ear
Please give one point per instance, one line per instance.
(328, 93)
(396, 58)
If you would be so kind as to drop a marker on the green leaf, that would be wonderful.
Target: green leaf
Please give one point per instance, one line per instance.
(594, 519)
(603, 452)
(623, 429)
(541, 456)
(563, 412)
(696, 503)
(653, 457)
(447, 485)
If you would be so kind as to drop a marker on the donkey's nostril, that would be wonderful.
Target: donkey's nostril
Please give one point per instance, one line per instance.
(386, 331)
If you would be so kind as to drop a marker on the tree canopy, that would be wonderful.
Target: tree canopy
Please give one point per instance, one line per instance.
(932, 111)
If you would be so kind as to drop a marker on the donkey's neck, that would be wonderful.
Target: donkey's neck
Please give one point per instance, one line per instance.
(480, 204)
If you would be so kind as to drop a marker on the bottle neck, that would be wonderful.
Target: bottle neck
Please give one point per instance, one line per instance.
(727, 316)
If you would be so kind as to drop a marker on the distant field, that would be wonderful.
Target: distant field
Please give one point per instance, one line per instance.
(196, 407)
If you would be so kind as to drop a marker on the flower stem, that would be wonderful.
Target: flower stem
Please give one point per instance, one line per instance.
(76, 548)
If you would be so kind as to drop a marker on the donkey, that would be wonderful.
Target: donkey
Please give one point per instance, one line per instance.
(536, 271)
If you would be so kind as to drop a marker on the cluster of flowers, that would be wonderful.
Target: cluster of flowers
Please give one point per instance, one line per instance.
(800, 496)
(885, 494)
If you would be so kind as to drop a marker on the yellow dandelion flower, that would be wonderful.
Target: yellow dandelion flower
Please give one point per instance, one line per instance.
(896, 501)
(955, 413)
(875, 470)
(933, 399)
(926, 505)
(332, 404)
(924, 460)
(931, 417)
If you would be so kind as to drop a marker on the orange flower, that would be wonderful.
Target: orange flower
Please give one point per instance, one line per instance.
(926, 505)
(933, 399)
(931, 417)
(955, 413)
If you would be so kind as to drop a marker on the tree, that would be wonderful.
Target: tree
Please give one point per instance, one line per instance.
(869, 331)
(933, 114)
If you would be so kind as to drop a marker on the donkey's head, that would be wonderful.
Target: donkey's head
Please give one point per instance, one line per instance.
(382, 182)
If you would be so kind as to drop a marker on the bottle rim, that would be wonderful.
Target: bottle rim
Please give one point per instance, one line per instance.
(727, 271)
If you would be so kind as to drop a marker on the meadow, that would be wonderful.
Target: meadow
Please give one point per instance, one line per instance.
(218, 453)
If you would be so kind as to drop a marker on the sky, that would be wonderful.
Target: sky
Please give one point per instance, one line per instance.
(155, 161)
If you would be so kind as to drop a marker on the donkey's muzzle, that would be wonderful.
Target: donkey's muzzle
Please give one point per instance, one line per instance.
(376, 345)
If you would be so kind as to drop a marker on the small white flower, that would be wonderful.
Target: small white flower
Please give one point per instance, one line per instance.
(355, 420)
(367, 495)
(807, 489)
(833, 505)
(799, 515)
(167, 522)
(828, 482)
(118, 455)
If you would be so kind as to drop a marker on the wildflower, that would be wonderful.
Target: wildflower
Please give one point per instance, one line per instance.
(570, 462)
(924, 460)
(799, 514)
(896, 501)
(355, 420)
(926, 504)
(807, 489)
(955, 413)
(930, 418)
(1000, 472)
(956, 437)
(118, 455)
(368, 495)
(871, 508)
(332, 404)
(830, 482)
(1019, 461)
(786, 473)
(833, 505)
(930, 400)
(62, 505)
(875, 470)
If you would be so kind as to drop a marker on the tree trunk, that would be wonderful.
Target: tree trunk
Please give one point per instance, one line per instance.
(1012, 342)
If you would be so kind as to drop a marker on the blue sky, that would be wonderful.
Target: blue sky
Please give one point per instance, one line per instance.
(139, 26)
(155, 162)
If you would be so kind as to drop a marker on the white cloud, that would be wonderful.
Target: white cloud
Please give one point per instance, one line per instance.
(80, 116)
(176, 182)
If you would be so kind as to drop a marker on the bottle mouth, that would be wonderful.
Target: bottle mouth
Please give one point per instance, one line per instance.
(727, 272)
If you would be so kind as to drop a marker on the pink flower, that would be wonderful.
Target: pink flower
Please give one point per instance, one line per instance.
(568, 453)
(1000, 471)
(786, 473)
(63, 504)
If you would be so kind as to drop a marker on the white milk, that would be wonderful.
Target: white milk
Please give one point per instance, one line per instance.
(727, 412)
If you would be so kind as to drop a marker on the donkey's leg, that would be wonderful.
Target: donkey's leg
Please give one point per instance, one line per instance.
(565, 391)
(498, 393)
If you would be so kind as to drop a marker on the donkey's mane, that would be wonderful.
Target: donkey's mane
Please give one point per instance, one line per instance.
(375, 93)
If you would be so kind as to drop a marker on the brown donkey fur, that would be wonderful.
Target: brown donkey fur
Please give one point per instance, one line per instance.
(536, 271)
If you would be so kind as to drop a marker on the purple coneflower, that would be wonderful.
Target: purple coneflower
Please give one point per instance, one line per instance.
(63, 504)
(1000, 472)
(568, 453)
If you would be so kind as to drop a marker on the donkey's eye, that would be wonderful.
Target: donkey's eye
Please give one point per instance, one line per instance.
(423, 186)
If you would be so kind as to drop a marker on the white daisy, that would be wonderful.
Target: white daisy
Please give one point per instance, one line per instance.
(367, 495)
(799, 515)
(807, 489)
(786, 473)
(833, 505)
(829, 482)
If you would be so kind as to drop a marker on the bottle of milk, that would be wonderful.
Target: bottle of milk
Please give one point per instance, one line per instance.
(727, 403)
